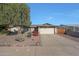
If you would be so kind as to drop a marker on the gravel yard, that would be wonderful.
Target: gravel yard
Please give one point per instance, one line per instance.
(51, 45)
(9, 40)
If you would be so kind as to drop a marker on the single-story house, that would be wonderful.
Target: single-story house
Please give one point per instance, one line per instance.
(42, 29)
(45, 29)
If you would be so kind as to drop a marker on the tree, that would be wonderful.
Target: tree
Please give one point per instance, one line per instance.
(14, 14)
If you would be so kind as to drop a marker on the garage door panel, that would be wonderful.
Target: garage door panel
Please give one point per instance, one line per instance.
(46, 30)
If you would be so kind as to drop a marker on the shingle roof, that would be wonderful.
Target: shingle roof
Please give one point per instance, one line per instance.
(43, 25)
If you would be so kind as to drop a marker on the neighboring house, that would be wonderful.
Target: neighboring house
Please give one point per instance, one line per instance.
(45, 29)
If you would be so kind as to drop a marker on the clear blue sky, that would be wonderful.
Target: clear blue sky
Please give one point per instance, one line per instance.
(54, 13)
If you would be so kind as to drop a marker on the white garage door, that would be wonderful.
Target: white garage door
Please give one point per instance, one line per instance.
(46, 30)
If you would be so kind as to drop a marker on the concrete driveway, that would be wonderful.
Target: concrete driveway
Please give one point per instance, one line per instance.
(58, 45)
(51, 45)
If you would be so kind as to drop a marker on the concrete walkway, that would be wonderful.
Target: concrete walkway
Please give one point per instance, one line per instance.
(51, 45)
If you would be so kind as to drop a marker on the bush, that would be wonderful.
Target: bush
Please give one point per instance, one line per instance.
(19, 39)
(3, 32)
(28, 34)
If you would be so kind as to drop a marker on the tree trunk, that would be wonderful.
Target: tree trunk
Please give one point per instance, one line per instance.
(20, 36)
